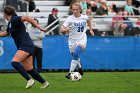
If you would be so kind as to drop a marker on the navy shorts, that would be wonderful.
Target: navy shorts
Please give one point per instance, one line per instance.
(29, 49)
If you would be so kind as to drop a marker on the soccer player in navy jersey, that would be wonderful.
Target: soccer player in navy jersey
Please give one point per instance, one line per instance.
(24, 44)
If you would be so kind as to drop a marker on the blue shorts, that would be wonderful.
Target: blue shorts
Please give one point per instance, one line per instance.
(29, 49)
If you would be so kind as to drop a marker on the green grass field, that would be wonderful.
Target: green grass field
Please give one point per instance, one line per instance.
(92, 82)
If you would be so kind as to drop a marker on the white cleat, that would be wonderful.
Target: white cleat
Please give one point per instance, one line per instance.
(30, 83)
(45, 85)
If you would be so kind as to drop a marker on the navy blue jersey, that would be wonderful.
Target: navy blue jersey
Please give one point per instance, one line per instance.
(18, 32)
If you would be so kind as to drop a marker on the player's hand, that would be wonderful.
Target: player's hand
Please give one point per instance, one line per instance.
(44, 30)
(91, 32)
(65, 29)
(41, 29)
(68, 29)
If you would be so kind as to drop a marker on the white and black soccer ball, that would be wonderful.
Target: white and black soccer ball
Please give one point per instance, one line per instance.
(75, 76)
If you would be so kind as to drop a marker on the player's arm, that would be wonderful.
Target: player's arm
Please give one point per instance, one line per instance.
(4, 33)
(64, 29)
(90, 27)
(32, 21)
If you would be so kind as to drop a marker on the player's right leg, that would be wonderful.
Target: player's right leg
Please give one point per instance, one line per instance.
(20, 56)
(72, 65)
(72, 68)
(78, 50)
(29, 68)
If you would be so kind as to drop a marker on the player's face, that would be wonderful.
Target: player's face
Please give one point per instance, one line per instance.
(5, 15)
(76, 10)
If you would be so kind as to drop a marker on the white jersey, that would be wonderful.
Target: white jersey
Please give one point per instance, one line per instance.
(77, 33)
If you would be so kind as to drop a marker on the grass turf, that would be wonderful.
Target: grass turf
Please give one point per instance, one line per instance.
(92, 82)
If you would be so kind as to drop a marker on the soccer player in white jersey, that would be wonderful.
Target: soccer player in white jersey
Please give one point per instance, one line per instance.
(76, 26)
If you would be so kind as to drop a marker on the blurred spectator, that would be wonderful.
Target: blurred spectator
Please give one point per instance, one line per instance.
(129, 7)
(96, 32)
(120, 25)
(98, 2)
(89, 13)
(88, 4)
(32, 5)
(52, 17)
(37, 37)
(112, 8)
(136, 4)
(103, 9)
(22, 6)
(93, 5)
(13, 3)
(83, 5)
(138, 22)
(130, 30)
(67, 2)
(128, 22)
(138, 27)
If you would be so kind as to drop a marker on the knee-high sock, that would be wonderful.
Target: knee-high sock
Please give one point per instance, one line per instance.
(78, 50)
(21, 70)
(36, 76)
(73, 65)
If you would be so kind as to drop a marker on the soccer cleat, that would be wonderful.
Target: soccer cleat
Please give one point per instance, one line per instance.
(30, 83)
(81, 71)
(45, 85)
(68, 76)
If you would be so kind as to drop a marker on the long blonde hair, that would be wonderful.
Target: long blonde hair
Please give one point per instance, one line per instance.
(72, 2)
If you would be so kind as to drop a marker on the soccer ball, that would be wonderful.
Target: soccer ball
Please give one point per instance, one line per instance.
(75, 76)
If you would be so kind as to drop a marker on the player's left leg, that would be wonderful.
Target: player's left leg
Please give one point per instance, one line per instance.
(28, 65)
(20, 56)
(79, 63)
(80, 67)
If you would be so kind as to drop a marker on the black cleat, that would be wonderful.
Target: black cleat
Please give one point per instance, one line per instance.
(81, 71)
(68, 76)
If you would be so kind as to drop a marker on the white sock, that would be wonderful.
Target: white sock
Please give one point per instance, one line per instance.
(79, 64)
(73, 65)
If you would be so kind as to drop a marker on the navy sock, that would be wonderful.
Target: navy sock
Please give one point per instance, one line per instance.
(20, 69)
(36, 75)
